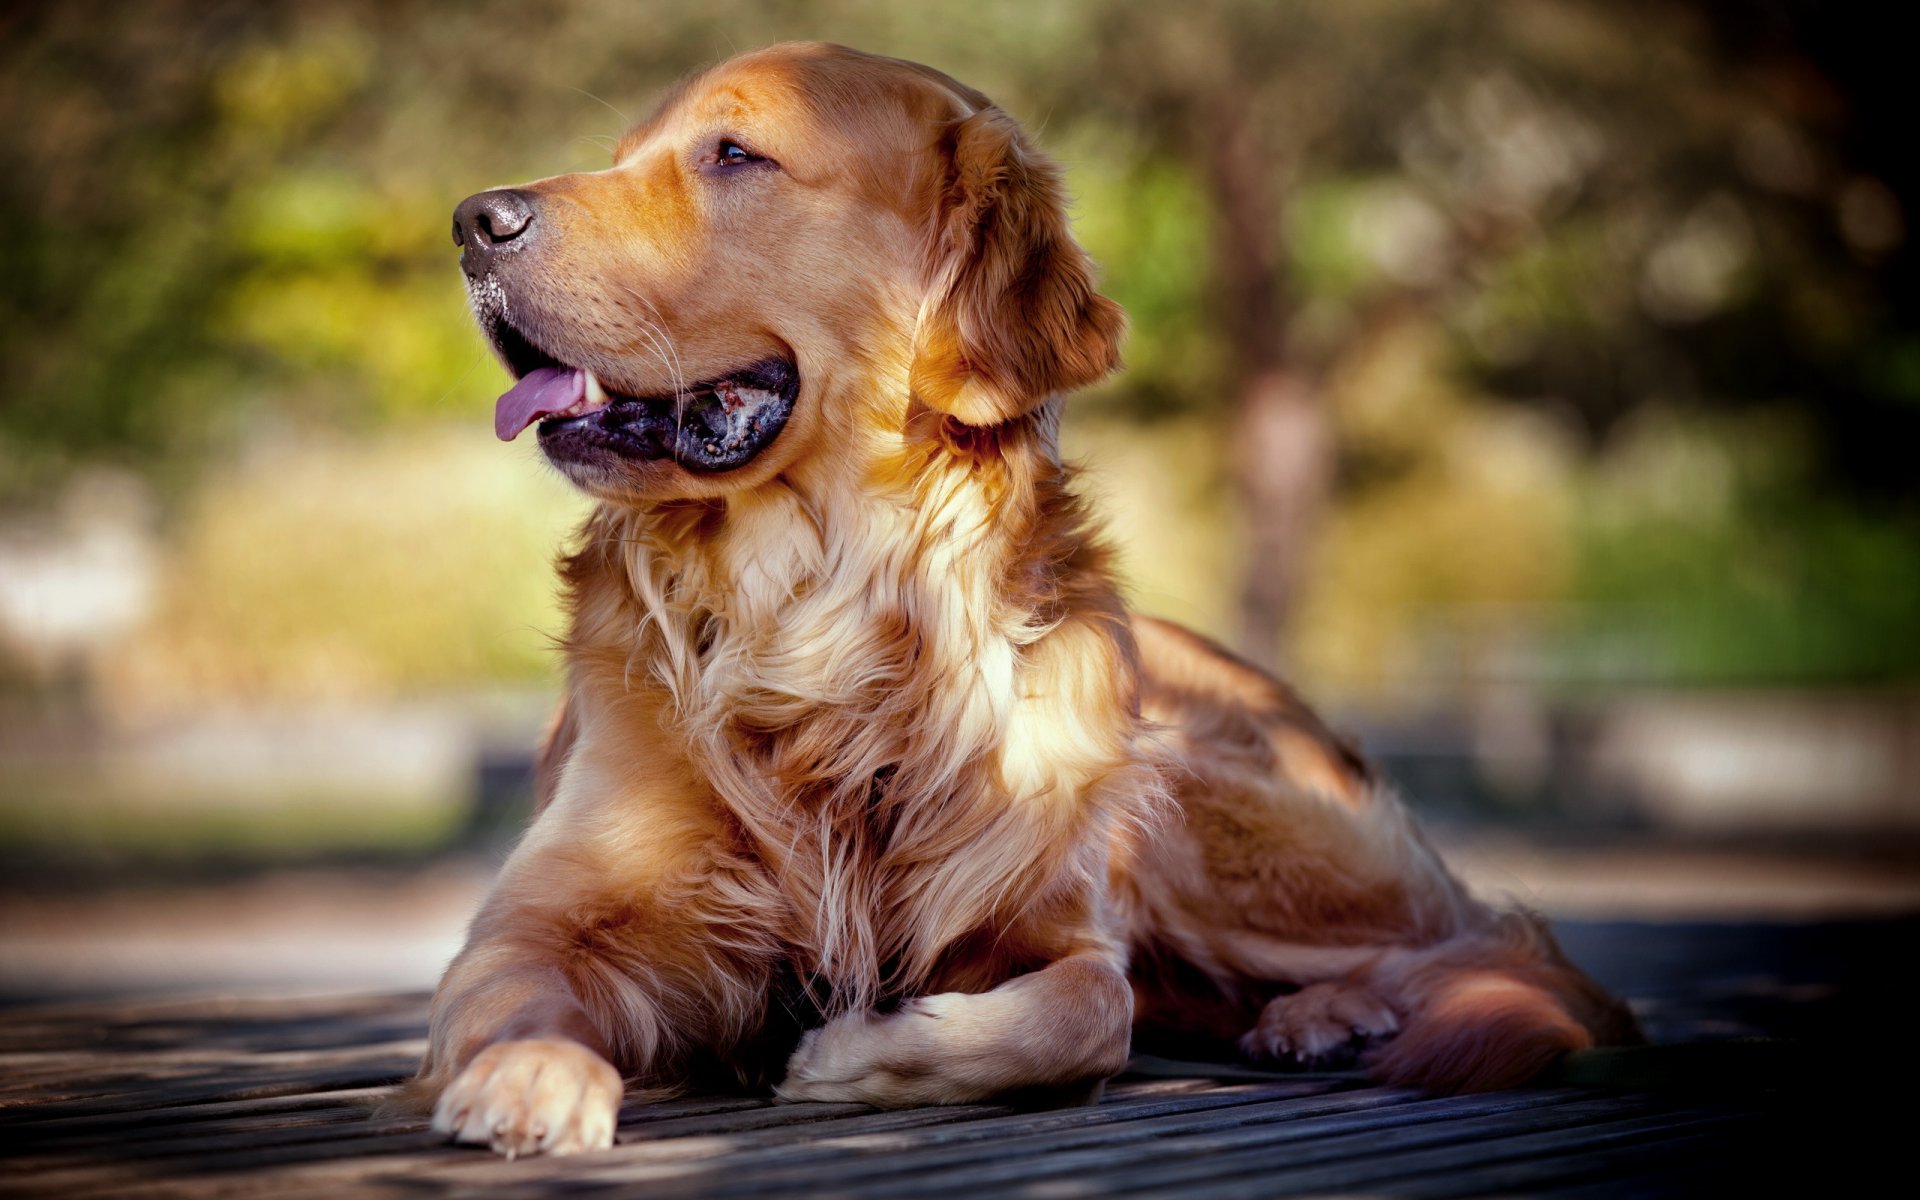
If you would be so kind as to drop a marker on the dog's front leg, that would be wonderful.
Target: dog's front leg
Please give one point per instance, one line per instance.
(1065, 1025)
(594, 955)
(516, 1061)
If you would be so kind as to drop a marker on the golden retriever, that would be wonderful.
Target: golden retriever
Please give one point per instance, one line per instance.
(866, 783)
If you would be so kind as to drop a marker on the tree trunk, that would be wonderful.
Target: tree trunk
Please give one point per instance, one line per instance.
(1283, 457)
(1283, 446)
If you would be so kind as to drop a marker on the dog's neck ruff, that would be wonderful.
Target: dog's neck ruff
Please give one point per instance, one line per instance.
(848, 672)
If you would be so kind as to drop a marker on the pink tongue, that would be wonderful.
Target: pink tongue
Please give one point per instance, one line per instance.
(542, 392)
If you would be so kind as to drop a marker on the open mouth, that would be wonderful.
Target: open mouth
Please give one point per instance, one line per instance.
(716, 424)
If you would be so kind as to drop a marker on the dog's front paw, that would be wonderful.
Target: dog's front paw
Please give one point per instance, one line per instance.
(1322, 1022)
(891, 1059)
(837, 1062)
(540, 1096)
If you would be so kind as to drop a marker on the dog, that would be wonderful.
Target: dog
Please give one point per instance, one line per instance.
(866, 783)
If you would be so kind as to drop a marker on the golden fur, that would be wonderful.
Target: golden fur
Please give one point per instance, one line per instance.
(866, 782)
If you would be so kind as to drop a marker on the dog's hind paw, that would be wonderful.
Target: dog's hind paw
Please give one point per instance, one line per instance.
(1324, 1021)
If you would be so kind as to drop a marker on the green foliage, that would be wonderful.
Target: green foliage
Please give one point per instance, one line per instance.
(1146, 223)
(1707, 557)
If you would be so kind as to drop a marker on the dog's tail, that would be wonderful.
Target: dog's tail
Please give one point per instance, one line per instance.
(1492, 1009)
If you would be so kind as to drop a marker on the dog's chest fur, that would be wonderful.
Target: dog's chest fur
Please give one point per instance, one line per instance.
(856, 684)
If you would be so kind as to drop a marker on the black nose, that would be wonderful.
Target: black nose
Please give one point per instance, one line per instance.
(491, 221)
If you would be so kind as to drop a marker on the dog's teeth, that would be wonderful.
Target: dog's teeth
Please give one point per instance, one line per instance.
(596, 396)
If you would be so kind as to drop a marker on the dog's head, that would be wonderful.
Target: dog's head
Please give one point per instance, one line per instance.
(798, 249)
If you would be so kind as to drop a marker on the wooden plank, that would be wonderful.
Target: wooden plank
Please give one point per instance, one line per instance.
(760, 1153)
(1643, 1170)
(845, 1153)
(1146, 1152)
(1326, 1168)
(385, 1138)
(215, 1020)
(242, 1173)
(792, 1129)
(213, 1110)
(213, 1153)
(216, 1086)
(1644, 1174)
(846, 1146)
(165, 1141)
(775, 1142)
(101, 1078)
(80, 1060)
(435, 1167)
(206, 1099)
(306, 1033)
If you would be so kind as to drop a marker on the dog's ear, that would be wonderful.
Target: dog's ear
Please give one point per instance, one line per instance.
(1012, 316)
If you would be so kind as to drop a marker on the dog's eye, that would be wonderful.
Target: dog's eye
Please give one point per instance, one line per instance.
(732, 154)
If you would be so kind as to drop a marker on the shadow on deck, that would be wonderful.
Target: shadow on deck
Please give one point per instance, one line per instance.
(225, 1098)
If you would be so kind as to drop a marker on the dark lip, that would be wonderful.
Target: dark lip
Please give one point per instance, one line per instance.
(697, 428)
(707, 434)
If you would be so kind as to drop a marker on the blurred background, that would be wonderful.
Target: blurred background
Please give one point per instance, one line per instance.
(1535, 382)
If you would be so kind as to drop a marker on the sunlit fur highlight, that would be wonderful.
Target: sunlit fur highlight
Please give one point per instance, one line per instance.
(847, 672)
(859, 742)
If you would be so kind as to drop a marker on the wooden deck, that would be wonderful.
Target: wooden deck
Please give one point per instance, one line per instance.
(208, 1098)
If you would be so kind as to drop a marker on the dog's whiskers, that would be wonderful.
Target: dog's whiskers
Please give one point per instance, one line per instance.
(679, 375)
(661, 344)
